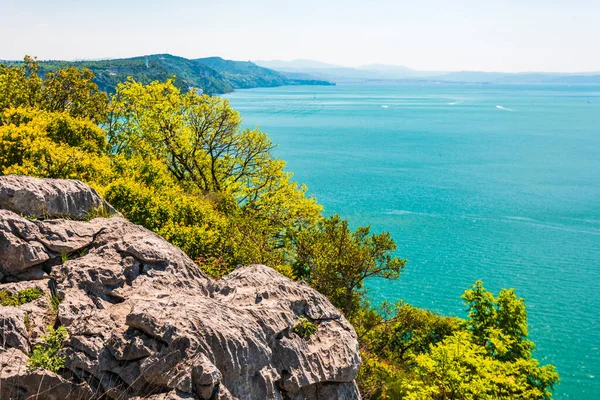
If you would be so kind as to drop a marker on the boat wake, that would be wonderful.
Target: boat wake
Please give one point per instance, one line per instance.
(406, 212)
(541, 224)
(504, 108)
(455, 103)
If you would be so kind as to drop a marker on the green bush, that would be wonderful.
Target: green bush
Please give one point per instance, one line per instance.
(46, 355)
(304, 328)
(411, 353)
(21, 297)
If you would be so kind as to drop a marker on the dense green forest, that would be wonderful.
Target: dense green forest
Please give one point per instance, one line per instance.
(212, 75)
(180, 164)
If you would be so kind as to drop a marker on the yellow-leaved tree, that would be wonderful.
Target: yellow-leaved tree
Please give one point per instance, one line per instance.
(200, 141)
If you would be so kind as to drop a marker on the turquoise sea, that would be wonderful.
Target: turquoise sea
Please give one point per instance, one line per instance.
(492, 182)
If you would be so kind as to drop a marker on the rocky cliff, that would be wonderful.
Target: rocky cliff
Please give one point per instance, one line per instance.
(143, 320)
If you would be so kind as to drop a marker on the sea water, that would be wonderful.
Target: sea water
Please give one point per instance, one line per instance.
(492, 182)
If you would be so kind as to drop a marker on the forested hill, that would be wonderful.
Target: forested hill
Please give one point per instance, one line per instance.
(246, 74)
(213, 75)
(243, 74)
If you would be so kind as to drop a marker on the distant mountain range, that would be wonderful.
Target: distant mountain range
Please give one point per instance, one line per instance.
(212, 75)
(309, 69)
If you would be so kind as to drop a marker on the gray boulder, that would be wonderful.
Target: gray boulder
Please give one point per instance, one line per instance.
(17, 383)
(50, 198)
(145, 322)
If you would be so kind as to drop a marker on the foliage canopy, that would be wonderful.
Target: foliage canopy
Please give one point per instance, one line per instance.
(336, 261)
(68, 90)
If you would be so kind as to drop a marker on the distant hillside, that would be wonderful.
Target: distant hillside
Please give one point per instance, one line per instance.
(213, 75)
(308, 69)
(246, 74)
(335, 73)
(147, 69)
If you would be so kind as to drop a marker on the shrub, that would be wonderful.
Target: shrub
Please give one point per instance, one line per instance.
(305, 328)
(21, 297)
(52, 145)
(46, 355)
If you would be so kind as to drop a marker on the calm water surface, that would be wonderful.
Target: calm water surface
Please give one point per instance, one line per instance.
(500, 183)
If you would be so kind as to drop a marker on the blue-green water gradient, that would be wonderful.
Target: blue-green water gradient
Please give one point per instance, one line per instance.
(499, 183)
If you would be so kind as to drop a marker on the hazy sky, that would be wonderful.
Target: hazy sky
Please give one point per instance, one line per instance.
(489, 35)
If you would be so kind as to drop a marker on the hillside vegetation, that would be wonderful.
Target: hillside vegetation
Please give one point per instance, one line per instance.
(246, 74)
(181, 165)
(212, 75)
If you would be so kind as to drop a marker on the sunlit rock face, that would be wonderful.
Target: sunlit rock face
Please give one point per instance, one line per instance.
(144, 321)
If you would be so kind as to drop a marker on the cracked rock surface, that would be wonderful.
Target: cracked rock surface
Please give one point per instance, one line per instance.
(145, 322)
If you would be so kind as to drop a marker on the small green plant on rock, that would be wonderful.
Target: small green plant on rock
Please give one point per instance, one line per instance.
(21, 297)
(98, 212)
(27, 323)
(4, 296)
(46, 355)
(53, 304)
(305, 328)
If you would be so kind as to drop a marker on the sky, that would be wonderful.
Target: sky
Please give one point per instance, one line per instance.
(439, 35)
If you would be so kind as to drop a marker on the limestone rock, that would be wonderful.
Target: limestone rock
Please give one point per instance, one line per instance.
(145, 322)
(50, 198)
(16, 383)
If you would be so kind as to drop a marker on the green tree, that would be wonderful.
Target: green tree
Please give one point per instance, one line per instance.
(20, 86)
(416, 354)
(499, 324)
(73, 90)
(410, 330)
(390, 338)
(200, 140)
(459, 368)
(198, 137)
(490, 359)
(336, 261)
(52, 145)
(201, 143)
(68, 90)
